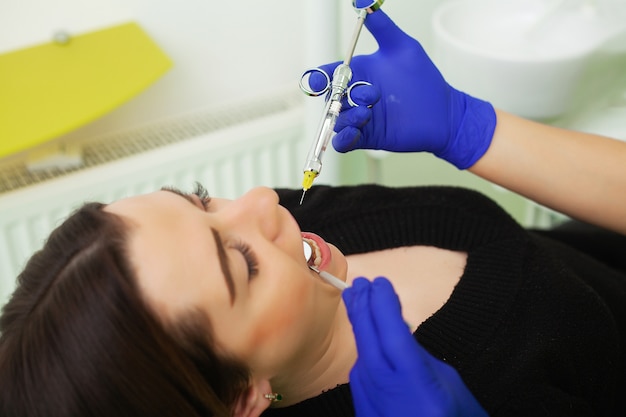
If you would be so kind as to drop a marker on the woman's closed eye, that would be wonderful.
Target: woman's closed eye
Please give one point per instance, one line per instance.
(249, 257)
(202, 194)
(243, 248)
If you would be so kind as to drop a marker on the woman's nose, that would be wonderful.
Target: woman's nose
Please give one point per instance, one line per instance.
(257, 208)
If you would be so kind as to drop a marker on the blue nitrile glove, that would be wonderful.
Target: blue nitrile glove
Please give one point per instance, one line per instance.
(394, 376)
(417, 111)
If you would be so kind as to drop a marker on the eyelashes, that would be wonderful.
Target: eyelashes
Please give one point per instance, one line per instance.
(250, 258)
(202, 194)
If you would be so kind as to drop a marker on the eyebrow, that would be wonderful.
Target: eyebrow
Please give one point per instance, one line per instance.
(221, 254)
(221, 251)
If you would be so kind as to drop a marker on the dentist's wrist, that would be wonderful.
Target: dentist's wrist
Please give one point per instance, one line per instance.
(475, 129)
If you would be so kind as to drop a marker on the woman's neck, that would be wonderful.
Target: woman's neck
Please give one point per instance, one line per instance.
(424, 278)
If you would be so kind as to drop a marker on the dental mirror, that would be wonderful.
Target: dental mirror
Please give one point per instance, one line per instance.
(308, 251)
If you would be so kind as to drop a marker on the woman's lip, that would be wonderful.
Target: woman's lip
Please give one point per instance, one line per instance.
(323, 247)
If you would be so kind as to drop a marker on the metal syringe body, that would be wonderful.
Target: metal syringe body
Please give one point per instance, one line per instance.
(341, 78)
(325, 131)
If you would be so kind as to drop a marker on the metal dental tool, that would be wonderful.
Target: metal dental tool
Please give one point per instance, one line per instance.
(337, 90)
(329, 278)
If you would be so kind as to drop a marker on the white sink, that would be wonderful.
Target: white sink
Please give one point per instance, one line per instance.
(522, 56)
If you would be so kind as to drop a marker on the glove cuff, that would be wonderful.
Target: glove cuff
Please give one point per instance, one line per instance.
(474, 133)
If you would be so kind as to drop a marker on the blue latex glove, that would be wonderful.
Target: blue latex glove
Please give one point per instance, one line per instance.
(418, 110)
(394, 376)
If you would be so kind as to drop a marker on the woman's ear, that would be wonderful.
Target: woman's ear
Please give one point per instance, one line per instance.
(253, 402)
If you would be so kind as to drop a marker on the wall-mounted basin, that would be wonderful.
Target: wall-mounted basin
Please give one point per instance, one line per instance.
(527, 56)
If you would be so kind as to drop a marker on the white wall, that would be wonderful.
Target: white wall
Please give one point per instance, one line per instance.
(222, 51)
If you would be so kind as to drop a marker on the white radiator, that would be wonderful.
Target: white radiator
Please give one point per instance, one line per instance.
(229, 151)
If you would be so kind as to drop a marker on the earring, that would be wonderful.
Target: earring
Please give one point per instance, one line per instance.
(273, 397)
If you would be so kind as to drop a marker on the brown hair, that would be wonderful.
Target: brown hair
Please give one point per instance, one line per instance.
(78, 339)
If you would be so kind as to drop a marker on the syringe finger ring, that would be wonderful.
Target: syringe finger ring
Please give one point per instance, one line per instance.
(351, 102)
(305, 82)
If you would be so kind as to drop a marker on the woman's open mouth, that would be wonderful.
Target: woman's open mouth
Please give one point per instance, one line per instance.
(320, 251)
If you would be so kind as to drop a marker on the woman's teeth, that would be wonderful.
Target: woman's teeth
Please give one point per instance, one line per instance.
(316, 257)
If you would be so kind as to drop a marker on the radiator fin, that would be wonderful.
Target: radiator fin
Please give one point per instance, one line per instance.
(114, 146)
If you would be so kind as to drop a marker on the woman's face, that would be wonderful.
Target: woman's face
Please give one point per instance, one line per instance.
(239, 261)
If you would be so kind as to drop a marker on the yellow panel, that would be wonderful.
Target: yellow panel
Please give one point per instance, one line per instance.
(51, 89)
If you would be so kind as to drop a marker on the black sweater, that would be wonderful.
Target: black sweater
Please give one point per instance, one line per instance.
(533, 327)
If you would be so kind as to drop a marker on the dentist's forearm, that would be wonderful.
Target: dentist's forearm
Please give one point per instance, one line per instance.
(578, 174)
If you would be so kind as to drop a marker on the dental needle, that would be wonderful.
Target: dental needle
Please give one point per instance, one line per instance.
(330, 278)
(303, 193)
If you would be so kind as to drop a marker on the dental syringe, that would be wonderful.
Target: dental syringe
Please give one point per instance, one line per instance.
(338, 90)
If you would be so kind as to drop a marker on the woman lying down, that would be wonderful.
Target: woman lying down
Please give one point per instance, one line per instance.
(177, 304)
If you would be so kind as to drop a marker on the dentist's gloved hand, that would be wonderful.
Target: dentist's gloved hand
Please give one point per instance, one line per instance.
(416, 110)
(394, 376)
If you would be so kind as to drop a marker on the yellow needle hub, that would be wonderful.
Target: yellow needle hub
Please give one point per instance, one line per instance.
(307, 181)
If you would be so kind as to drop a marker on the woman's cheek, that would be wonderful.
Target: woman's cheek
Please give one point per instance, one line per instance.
(281, 321)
